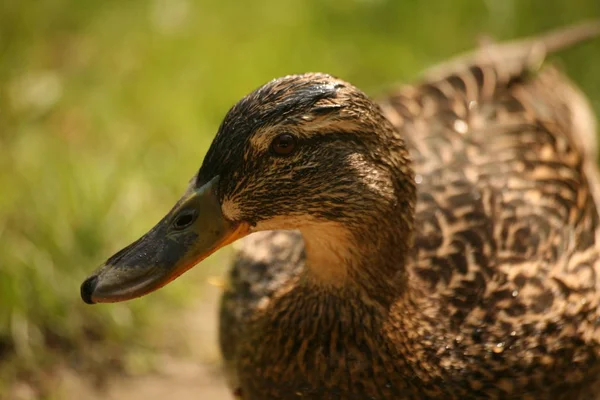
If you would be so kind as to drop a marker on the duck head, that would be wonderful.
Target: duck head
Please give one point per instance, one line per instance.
(305, 152)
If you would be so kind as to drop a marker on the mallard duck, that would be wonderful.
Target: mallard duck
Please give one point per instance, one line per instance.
(440, 243)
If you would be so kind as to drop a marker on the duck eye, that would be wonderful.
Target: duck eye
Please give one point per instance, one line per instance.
(184, 219)
(283, 144)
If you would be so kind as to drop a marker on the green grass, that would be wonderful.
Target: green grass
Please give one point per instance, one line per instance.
(107, 107)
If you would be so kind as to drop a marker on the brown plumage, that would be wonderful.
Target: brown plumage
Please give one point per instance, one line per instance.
(471, 273)
(439, 244)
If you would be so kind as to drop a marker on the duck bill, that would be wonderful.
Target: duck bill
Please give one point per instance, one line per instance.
(194, 229)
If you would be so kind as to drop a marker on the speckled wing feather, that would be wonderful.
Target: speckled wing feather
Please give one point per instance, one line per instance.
(506, 218)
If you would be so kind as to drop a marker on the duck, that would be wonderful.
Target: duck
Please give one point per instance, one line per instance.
(439, 242)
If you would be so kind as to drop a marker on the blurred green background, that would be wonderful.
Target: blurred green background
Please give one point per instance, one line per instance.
(106, 110)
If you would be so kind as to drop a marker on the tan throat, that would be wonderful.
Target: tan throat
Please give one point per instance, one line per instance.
(330, 253)
(330, 248)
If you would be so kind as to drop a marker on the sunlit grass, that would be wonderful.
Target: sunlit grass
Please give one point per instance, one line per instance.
(107, 107)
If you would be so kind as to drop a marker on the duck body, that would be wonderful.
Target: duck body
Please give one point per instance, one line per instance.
(498, 295)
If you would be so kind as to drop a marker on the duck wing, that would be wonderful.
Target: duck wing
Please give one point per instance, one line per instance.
(506, 249)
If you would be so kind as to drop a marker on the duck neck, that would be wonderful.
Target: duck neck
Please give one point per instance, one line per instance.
(369, 253)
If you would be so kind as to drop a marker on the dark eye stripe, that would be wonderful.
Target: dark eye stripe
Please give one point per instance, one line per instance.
(280, 146)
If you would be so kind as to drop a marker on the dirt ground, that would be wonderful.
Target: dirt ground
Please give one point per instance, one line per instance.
(184, 380)
(195, 375)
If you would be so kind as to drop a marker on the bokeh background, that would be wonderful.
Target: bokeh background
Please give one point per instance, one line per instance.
(106, 110)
